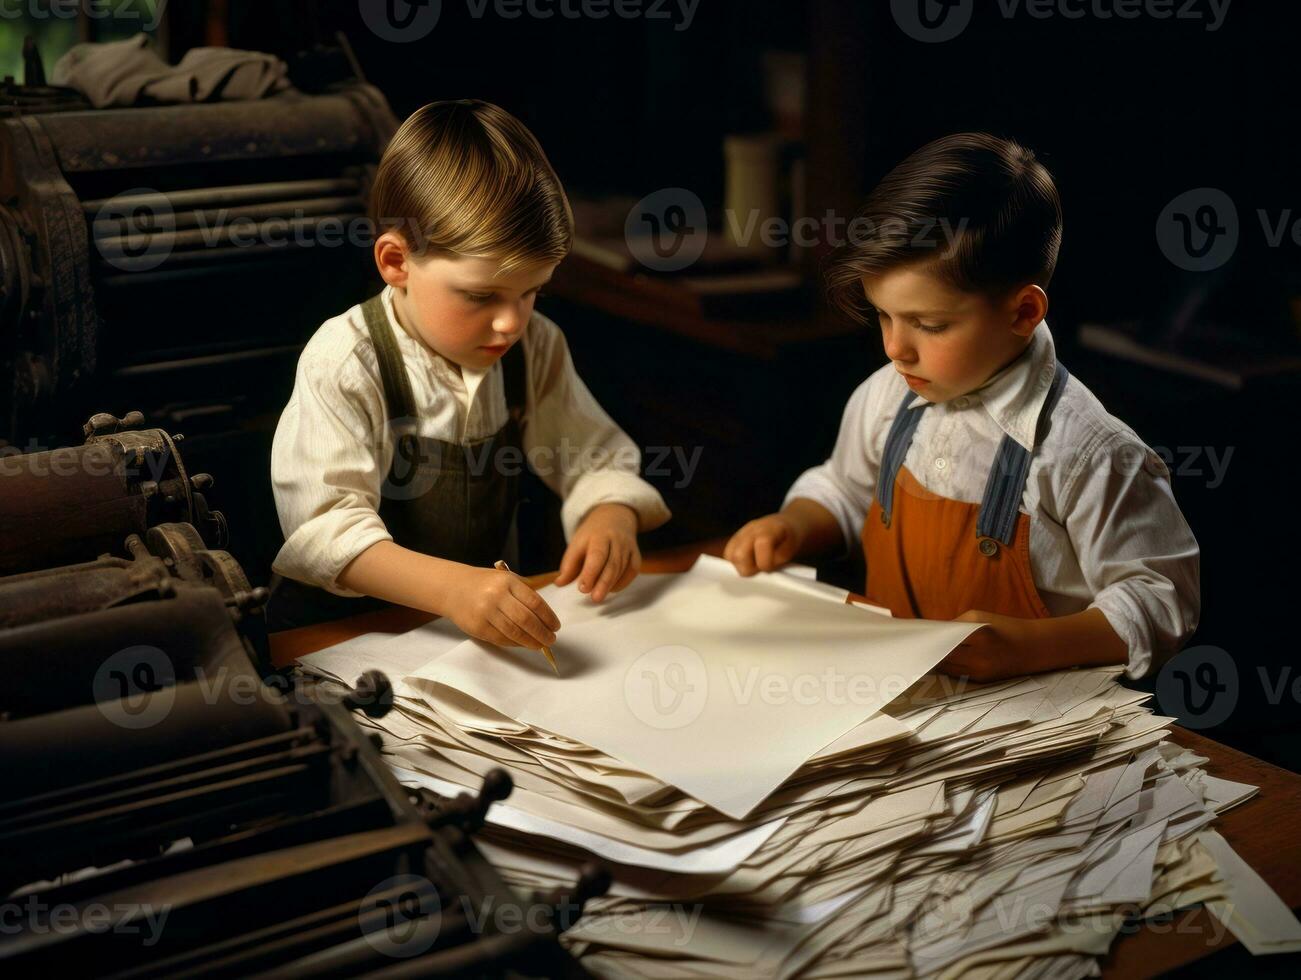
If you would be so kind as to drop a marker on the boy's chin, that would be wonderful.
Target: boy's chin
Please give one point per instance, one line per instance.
(476, 359)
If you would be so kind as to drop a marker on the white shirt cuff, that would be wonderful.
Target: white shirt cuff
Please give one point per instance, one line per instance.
(317, 556)
(1130, 625)
(613, 487)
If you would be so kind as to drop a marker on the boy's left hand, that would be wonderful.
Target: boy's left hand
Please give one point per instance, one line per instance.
(603, 554)
(1001, 649)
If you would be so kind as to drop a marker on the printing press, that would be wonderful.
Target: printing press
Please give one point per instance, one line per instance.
(157, 769)
(150, 254)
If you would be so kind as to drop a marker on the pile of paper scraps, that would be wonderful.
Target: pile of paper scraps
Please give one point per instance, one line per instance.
(781, 788)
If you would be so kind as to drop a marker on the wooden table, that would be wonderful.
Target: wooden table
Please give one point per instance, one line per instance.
(1262, 830)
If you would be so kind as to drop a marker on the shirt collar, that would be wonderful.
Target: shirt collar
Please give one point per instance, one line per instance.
(1015, 396)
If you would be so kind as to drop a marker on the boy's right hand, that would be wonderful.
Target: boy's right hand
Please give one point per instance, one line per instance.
(500, 607)
(764, 545)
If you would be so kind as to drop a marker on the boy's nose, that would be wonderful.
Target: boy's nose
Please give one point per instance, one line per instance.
(895, 346)
(508, 322)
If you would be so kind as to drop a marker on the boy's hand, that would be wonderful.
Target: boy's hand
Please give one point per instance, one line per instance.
(1010, 647)
(764, 544)
(1000, 650)
(501, 608)
(603, 554)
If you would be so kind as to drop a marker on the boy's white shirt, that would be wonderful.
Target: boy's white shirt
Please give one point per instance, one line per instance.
(1105, 530)
(331, 452)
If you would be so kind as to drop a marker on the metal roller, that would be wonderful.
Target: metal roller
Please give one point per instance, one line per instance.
(75, 504)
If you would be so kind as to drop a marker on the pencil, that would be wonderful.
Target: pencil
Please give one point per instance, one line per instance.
(546, 651)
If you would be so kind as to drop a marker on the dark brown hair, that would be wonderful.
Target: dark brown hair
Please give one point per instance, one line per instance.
(982, 211)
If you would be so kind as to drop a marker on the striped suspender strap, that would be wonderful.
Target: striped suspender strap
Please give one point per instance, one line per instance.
(1002, 501)
(896, 448)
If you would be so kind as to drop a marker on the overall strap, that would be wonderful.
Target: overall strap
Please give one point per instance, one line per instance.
(393, 373)
(1006, 483)
(515, 381)
(896, 448)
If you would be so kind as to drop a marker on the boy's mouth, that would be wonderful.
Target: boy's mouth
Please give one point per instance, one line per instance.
(914, 381)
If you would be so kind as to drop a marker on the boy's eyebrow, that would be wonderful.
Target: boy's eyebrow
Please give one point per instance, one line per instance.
(914, 314)
(489, 287)
(908, 314)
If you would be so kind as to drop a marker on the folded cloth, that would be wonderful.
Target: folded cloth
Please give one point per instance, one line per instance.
(122, 73)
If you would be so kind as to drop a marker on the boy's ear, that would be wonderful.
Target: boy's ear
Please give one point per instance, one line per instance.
(1030, 306)
(393, 257)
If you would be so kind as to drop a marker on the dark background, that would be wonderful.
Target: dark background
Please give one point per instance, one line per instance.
(1126, 113)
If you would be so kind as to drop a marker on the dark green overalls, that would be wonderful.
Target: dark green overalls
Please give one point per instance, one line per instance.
(440, 498)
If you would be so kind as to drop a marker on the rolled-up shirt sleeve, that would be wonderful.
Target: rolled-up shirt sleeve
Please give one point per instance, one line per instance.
(574, 446)
(326, 471)
(844, 484)
(1135, 549)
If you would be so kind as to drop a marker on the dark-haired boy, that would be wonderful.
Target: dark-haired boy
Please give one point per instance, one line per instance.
(985, 483)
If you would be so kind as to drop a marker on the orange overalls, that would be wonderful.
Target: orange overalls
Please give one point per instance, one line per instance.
(930, 557)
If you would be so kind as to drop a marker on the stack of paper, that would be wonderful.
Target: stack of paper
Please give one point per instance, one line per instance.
(781, 789)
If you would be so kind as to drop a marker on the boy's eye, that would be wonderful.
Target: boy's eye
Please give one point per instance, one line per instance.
(933, 327)
(478, 297)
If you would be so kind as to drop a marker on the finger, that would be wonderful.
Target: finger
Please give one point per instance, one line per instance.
(513, 632)
(490, 634)
(525, 594)
(626, 579)
(745, 560)
(785, 549)
(745, 563)
(614, 567)
(571, 563)
(954, 669)
(734, 550)
(733, 547)
(763, 553)
(629, 574)
(597, 554)
(527, 620)
(957, 662)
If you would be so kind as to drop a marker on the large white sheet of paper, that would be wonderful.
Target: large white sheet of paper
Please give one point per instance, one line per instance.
(718, 685)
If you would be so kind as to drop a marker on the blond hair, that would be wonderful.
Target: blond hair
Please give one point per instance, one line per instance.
(467, 178)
